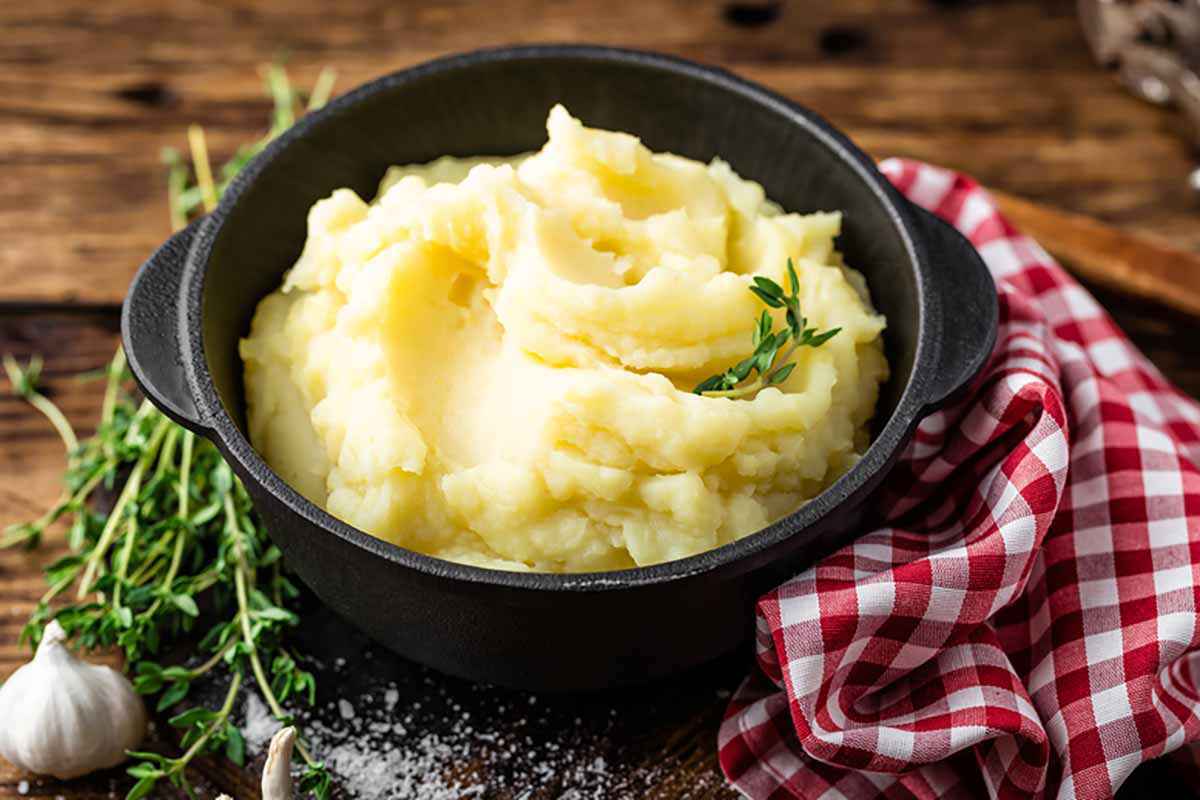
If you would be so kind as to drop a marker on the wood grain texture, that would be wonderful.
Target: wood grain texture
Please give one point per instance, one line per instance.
(32, 457)
(1136, 264)
(90, 93)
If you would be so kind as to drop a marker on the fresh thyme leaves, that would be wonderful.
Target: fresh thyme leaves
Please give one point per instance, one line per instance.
(768, 342)
(181, 556)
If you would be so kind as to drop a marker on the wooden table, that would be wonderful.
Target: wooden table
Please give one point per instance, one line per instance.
(91, 92)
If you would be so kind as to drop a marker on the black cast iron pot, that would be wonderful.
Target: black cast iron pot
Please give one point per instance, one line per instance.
(193, 299)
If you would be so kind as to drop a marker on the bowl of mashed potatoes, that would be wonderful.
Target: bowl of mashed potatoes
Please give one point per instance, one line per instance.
(541, 363)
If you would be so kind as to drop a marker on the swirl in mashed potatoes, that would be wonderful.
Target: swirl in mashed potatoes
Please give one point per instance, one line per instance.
(492, 362)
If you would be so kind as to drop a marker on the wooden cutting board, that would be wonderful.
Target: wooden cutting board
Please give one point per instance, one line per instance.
(1138, 265)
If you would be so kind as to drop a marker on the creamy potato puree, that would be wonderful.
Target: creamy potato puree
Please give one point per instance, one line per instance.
(492, 362)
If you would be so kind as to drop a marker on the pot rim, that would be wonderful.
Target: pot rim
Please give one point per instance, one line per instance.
(738, 557)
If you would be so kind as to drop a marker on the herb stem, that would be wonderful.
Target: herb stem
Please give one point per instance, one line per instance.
(731, 383)
(16, 534)
(756, 384)
(185, 468)
(788, 353)
(56, 589)
(176, 183)
(24, 387)
(197, 671)
(112, 384)
(34, 529)
(130, 491)
(167, 455)
(218, 722)
(740, 391)
(131, 530)
(144, 410)
(322, 88)
(200, 163)
(57, 419)
(285, 100)
(204, 581)
(242, 576)
(144, 574)
(91, 484)
(153, 562)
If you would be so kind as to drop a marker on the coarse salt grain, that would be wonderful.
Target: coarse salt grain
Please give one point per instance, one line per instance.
(415, 739)
(258, 725)
(444, 757)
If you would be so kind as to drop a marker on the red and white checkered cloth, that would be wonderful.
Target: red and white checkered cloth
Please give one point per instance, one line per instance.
(1027, 625)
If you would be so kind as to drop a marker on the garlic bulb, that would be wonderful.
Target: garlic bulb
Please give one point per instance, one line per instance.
(65, 717)
(277, 772)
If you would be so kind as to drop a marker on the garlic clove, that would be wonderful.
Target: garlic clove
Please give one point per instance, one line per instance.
(277, 772)
(66, 717)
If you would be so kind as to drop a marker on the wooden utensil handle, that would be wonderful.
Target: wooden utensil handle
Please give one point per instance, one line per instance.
(1129, 262)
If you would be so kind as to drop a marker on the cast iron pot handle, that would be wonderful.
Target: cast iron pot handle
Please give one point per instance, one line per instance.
(150, 330)
(969, 306)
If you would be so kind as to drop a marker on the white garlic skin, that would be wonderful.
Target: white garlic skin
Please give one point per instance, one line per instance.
(62, 716)
(277, 772)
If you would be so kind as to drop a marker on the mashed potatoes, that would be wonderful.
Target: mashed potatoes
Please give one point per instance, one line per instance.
(493, 361)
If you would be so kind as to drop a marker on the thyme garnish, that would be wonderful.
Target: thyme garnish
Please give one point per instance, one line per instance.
(181, 546)
(768, 343)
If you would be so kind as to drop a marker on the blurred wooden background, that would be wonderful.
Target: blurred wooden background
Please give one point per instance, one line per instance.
(1006, 90)
(91, 91)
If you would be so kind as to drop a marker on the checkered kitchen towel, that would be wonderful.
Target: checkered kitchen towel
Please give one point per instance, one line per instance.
(1027, 624)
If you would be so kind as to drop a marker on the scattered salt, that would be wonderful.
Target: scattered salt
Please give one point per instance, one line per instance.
(440, 755)
(416, 737)
(258, 725)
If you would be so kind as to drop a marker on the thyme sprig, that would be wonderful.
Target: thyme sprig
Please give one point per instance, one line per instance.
(180, 556)
(768, 343)
(186, 200)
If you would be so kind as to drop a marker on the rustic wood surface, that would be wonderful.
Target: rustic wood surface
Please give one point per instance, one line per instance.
(90, 92)
(1135, 263)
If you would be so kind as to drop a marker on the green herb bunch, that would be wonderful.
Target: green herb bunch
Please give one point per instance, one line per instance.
(180, 557)
(768, 343)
